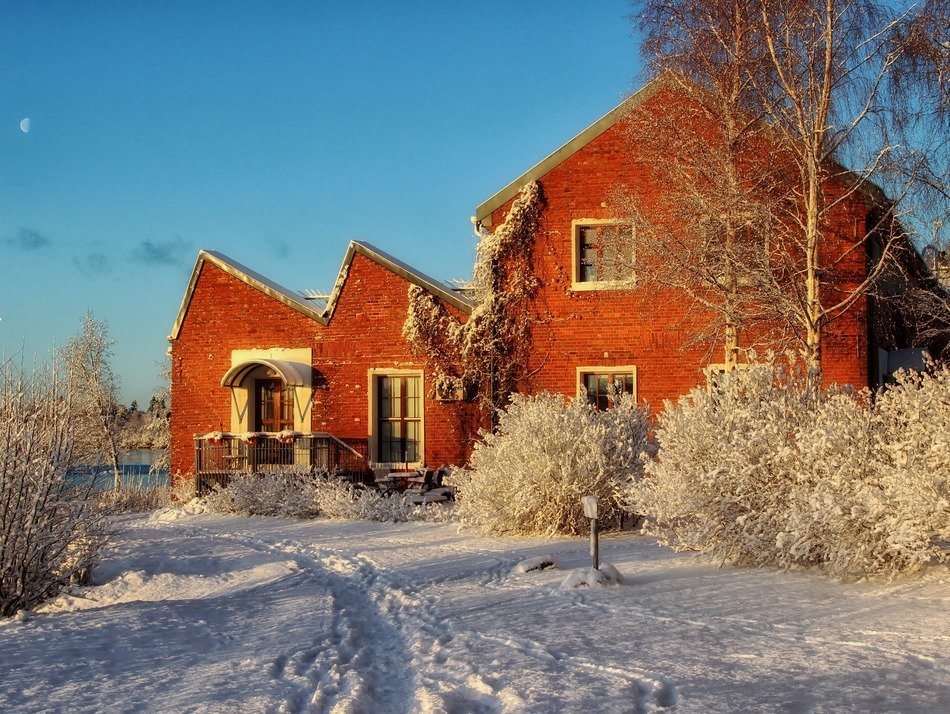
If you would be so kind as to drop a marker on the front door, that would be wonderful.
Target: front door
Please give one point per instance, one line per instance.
(275, 406)
(275, 412)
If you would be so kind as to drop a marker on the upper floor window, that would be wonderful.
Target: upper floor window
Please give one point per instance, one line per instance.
(600, 385)
(603, 254)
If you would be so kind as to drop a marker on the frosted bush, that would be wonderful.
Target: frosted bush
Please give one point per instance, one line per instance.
(52, 528)
(529, 475)
(288, 494)
(765, 471)
(320, 493)
(724, 471)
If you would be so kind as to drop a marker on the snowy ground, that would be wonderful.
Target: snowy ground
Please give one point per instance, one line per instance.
(213, 613)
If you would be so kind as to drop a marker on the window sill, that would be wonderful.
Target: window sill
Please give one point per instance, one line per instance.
(603, 285)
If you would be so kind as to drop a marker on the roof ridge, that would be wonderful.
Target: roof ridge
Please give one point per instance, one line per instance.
(297, 302)
(571, 147)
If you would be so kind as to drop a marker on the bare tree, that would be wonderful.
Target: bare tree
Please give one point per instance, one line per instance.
(812, 85)
(832, 99)
(706, 233)
(87, 358)
(157, 428)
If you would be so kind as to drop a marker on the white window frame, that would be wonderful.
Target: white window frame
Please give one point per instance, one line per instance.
(582, 285)
(613, 369)
(373, 408)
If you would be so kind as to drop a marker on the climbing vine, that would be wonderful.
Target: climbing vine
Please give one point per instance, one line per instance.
(487, 354)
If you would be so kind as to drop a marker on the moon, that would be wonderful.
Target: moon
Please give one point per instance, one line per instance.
(25, 125)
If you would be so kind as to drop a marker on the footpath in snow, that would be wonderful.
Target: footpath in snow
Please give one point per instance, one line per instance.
(220, 613)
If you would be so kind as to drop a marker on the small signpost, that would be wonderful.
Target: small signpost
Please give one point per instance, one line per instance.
(590, 510)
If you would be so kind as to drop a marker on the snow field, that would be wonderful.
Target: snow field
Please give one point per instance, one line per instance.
(222, 613)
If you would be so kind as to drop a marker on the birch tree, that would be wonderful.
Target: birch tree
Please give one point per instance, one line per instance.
(51, 528)
(705, 233)
(818, 86)
(87, 359)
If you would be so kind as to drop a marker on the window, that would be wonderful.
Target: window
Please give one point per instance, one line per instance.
(598, 383)
(397, 417)
(603, 254)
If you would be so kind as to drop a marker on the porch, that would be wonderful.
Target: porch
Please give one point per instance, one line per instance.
(219, 455)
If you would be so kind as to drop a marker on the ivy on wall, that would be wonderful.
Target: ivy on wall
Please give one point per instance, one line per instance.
(485, 356)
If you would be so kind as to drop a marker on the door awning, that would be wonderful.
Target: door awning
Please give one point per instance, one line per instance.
(294, 374)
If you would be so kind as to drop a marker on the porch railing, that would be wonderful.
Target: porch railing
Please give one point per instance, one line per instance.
(219, 455)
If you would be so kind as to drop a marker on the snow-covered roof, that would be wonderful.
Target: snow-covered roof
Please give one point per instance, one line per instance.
(300, 303)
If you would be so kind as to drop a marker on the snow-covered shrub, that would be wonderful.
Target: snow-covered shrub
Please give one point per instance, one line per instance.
(51, 528)
(343, 501)
(877, 493)
(530, 474)
(307, 494)
(724, 470)
(184, 489)
(289, 494)
(765, 470)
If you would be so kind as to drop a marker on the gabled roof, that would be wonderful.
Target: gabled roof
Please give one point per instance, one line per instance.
(302, 305)
(484, 211)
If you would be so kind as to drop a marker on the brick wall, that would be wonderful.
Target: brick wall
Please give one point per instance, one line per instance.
(226, 314)
(651, 329)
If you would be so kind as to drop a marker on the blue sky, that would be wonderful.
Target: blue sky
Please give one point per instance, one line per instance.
(274, 133)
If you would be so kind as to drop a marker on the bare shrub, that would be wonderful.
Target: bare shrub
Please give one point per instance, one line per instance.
(529, 475)
(51, 529)
(136, 496)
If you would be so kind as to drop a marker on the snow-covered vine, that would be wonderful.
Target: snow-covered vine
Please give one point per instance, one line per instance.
(488, 352)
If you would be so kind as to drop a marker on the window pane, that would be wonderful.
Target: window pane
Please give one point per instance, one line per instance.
(399, 418)
(599, 386)
(605, 252)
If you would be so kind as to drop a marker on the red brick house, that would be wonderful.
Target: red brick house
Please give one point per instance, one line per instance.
(254, 359)
(591, 332)
(255, 364)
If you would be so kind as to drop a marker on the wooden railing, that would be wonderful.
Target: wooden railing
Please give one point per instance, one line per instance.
(219, 455)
